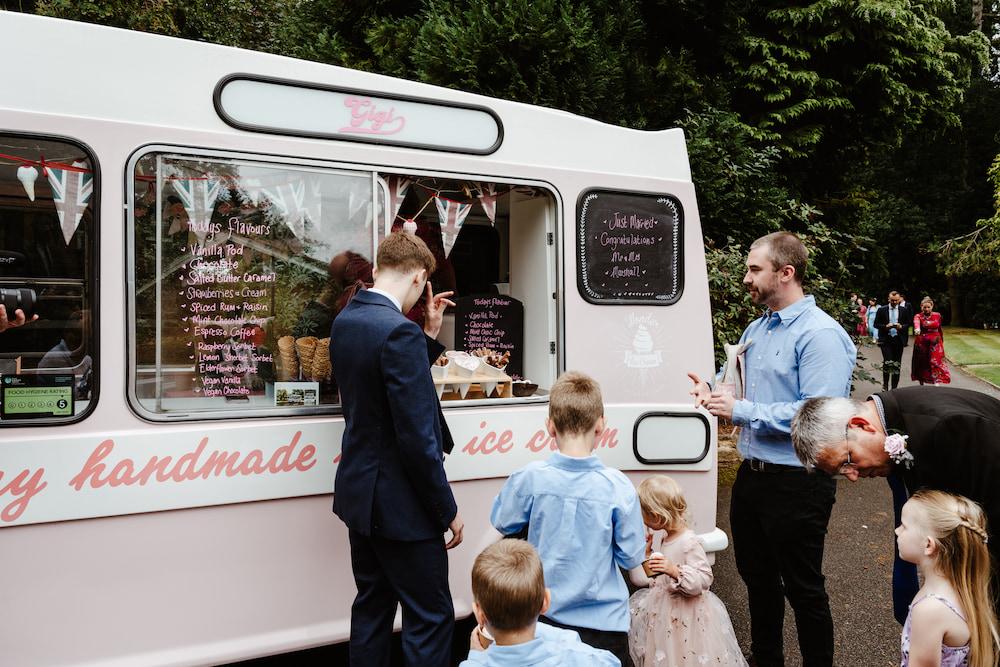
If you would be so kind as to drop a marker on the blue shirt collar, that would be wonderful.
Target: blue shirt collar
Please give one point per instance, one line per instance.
(788, 314)
(560, 460)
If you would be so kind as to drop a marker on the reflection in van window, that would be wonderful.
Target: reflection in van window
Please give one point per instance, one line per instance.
(240, 268)
(47, 269)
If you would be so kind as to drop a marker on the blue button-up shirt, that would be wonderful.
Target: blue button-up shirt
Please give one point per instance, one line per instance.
(551, 647)
(584, 519)
(797, 353)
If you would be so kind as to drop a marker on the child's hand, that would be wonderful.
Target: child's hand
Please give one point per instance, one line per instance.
(477, 642)
(660, 563)
(649, 544)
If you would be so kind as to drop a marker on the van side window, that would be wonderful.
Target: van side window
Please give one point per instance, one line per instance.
(239, 270)
(48, 267)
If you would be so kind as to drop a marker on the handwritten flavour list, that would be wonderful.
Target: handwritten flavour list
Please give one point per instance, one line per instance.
(629, 248)
(225, 300)
(495, 322)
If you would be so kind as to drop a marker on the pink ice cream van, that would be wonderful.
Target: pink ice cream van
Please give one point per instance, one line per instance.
(187, 220)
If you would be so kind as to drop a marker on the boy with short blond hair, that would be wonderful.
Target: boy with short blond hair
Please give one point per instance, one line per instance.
(508, 591)
(583, 518)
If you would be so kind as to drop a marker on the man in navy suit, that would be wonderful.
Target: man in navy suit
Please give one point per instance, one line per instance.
(893, 324)
(391, 489)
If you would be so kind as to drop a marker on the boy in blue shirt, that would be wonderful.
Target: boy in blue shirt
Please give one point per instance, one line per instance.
(583, 518)
(508, 590)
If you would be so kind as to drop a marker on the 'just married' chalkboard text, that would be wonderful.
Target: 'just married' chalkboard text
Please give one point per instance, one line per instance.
(629, 247)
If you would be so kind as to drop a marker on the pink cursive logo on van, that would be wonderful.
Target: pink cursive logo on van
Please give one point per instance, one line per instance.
(191, 466)
(22, 489)
(492, 442)
(366, 119)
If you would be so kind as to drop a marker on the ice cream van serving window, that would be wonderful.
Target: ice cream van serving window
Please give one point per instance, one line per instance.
(48, 269)
(629, 248)
(240, 268)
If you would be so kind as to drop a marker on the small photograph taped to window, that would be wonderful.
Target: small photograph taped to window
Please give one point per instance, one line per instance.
(36, 396)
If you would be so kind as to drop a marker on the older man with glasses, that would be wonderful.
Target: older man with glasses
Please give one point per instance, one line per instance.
(931, 437)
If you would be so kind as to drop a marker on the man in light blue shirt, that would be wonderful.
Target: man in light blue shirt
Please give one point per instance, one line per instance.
(583, 518)
(779, 512)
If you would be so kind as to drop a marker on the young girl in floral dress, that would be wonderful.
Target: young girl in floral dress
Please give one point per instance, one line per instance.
(676, 620)
(951, 620)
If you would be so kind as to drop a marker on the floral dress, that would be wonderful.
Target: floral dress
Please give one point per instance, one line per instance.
(929, 365)
(681, 622)
(951, 656)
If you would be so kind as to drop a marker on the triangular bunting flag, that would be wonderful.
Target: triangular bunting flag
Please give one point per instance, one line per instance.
(313, 206)
(452, 214)
(289, 199)
(356, 203)
(198, 197)
(71, 190)
(398, 186)
(488, 198)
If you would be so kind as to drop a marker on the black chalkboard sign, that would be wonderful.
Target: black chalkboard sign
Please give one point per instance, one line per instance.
(494, 321)
(629, 248)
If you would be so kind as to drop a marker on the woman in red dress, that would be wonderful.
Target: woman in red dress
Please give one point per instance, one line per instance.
(862, 327)
(929, 366)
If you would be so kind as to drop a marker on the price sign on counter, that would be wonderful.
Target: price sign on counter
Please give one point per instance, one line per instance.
(494, 321)
(629, 248)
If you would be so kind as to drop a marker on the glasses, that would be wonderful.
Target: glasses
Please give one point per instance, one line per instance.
(848, 464)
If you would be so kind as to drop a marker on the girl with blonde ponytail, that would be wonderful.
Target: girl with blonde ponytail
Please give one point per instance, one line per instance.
(951, 621)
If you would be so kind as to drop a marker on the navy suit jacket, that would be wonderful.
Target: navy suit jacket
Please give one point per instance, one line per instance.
(391, 481)
(905, 315)
(955, 442)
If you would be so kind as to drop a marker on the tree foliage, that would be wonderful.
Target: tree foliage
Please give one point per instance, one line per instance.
(867, 126)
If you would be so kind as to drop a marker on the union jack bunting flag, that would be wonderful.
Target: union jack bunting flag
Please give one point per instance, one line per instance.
(71, 190)
(198, 197)
(488, 198)
(452, 214)
(289, 199)
(398, 185)
(313, 206)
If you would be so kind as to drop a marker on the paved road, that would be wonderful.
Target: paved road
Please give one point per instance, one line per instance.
(858, 557)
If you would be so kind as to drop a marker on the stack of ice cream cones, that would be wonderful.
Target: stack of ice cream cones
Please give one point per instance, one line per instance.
(321, 368)
(289, 369)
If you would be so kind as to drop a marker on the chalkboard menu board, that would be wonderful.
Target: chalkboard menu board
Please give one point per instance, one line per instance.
(494, 321)
(629, 248)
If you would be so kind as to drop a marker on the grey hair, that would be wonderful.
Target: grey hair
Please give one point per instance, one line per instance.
(821, 423)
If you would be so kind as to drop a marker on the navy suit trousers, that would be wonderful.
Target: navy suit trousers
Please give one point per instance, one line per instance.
(414, 574)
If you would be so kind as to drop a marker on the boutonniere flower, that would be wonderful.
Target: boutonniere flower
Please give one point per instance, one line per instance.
(895, 447)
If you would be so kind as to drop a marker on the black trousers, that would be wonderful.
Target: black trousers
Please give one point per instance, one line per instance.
(414, 574)
(778, 518)
(614, 642)
(892, 351)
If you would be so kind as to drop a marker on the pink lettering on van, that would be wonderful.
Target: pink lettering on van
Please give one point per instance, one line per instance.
(490, 443)
(186, 468)
(22, 488)
(365, 119)
(542, 440)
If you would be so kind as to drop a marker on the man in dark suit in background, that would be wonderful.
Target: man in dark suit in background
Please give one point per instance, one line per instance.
(391, 489)
(952, 443)
(893, 324)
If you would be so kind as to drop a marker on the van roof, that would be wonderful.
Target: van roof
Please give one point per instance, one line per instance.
(155, 80)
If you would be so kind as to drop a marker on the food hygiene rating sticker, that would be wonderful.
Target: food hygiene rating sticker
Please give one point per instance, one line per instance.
(33, 396)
